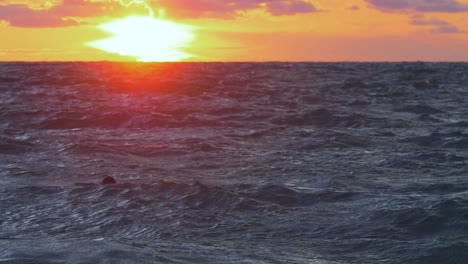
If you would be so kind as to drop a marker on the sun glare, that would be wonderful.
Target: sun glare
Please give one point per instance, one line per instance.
(146, 39)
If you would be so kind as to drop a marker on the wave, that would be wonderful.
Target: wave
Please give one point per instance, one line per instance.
(334, 162)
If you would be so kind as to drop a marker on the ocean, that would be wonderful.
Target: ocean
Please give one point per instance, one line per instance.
(233, 162)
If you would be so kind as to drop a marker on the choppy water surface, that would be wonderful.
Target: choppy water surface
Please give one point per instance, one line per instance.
(268, 163)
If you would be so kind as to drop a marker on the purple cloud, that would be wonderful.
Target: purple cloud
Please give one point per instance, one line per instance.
(63, 14)
(424, 6)
(279, 8)
(443, 6)
(228, 8)
(448, 29)
(420, 20)
(441, 26)
(21, 15)
(353, 8)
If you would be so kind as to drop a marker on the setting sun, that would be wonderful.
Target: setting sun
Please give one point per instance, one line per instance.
(146, 38)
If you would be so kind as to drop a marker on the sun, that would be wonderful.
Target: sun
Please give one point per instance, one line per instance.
(146, 39)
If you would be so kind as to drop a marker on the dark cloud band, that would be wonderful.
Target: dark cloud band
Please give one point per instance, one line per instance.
(442, 6)
(21, 15)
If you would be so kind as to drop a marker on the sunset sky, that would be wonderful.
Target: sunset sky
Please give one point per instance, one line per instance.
(235, 30)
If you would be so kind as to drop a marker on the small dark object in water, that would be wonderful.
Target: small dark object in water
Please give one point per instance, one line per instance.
(109, 180)
(169, 181)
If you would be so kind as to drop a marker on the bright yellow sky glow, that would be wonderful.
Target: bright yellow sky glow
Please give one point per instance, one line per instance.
(146, 38)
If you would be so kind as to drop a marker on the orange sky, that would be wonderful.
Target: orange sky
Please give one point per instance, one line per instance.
(246, 30)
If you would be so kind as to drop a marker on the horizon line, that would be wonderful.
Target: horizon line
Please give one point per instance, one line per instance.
(266, 61)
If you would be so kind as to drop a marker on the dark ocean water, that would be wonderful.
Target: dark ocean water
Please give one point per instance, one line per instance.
(234, 163)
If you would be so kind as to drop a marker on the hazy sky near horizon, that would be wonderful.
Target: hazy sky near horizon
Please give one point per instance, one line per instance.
(245, 30)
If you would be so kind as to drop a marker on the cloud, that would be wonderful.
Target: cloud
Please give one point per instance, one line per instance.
(62, 15)
(22, 16)
(353, 8)
(230, 8)
(279, 8)
(448, 29)
(442, 6)
(22, 13)
(441, 26)
(424, 6)
(420, 20)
